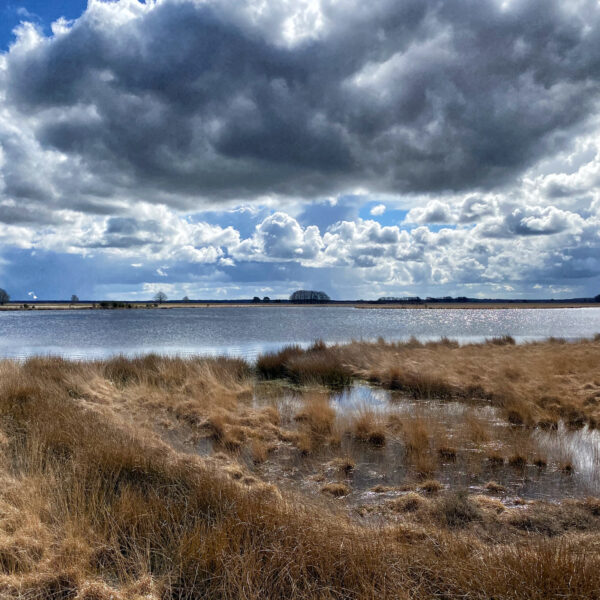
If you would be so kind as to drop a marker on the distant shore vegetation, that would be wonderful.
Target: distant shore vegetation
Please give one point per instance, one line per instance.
(299, 297)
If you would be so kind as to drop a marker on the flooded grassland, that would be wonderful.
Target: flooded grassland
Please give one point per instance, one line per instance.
(365, 470)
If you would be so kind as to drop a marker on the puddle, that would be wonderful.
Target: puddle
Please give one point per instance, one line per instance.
(579, 448)
(475, 432)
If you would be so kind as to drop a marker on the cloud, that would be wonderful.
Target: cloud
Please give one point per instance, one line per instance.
(184, 102)
(237, 142)
(434, 212)
(377, 210)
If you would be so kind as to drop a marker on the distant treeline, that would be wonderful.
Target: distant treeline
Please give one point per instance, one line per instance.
(112, 304)
(465, 300)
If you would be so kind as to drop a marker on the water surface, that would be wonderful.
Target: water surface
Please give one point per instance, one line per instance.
(247, 331)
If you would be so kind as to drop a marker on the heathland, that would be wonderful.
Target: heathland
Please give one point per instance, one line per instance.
(163, 478)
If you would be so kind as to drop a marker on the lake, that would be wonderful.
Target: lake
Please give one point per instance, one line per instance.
(247, 331)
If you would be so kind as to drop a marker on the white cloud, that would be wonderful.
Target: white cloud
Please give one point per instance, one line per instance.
(378, 210)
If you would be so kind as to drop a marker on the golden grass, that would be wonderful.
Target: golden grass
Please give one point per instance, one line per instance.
(100, 498)
(369, 427)
(533, 383)
(335, 489)
(539, 382)
(315, 365)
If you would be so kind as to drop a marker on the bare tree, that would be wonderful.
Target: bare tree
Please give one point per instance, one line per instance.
(160, 296)
(4, 297)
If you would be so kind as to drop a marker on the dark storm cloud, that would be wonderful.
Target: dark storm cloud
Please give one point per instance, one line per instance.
(188, 100)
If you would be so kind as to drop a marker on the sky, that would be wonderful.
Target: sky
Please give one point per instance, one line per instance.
(231, 148)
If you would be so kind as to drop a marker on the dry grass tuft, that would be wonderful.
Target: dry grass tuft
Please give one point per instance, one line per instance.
(494, 488)
(517, 461)
(316, 418)
(368, 427)
(447, 453)
(457, 509)
(344, 465)
(259, 451)
(409, 502)
(495, 459)
(315, 365)
(431, 486)
(336, 489)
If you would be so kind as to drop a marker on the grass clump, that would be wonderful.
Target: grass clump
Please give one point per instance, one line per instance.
(517, 461)
(494, 488)
(344, 465)
(456, 509)
(335, 489)
(317, 416)
(409, 502)
(274, 365)
(368, 428)
(431, 486)
(447, 453)
(318, 364)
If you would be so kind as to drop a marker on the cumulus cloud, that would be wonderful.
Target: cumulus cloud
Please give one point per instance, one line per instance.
(377, 210)
(434, 212)
(182, 101)
(237, 138)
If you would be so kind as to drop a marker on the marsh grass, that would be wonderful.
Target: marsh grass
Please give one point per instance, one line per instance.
(317, 365)
(538, 382)
(97, 503)
(368, 427)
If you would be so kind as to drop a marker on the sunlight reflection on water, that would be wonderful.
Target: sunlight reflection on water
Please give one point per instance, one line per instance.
(248, 331)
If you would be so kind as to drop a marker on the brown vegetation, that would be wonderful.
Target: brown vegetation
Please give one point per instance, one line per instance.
(368, 427)
(538, 382)
(104, 494)
(315, 365)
